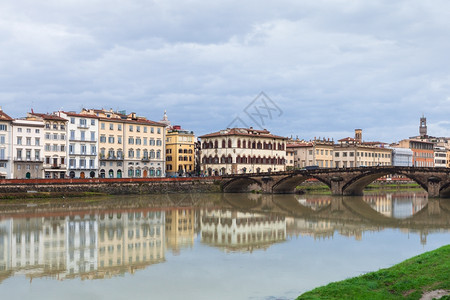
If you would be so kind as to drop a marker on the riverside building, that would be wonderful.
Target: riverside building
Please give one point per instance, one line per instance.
(314, 153)
(82, 150)
(27, 147)
(353, 152)
(54, 143)
(5, 145)
(130, 146)
(242, 150)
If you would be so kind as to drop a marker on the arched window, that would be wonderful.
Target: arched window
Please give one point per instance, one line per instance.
(222, 160)
(239, 143)
(243, 144)
(210, 145)
(254, 145)
(259, 145)
(216, 144)
(158, 154)
(216, 160)
(152, 153)
(229, 159)
(223, 143)
(210, 160)
(186, 158)
(180, 158)
(229, 143)
(131, 153)
(238, 158)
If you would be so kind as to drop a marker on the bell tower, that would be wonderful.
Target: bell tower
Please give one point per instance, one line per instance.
(423, 127)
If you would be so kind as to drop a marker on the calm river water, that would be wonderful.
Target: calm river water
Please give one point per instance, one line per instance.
(210, 246)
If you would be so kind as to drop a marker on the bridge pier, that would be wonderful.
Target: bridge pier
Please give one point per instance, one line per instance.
(433, 187)
(337, 185)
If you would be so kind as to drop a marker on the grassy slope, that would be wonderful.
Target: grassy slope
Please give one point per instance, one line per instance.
(407, 280)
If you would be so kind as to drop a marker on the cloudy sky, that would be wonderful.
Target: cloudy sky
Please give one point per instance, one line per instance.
(326, 66)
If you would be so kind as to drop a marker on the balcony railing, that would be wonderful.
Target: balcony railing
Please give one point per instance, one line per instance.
(30, 159)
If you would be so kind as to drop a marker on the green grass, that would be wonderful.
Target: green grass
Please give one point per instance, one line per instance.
(407, 280)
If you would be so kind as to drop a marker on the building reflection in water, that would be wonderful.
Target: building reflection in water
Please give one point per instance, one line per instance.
(241, 231)
(399, 205)
(113, 242)
(180, 226)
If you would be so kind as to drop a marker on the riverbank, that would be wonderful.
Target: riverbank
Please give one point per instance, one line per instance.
(54, 188)
(421, 275)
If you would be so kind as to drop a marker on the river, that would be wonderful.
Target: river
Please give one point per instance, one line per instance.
(209, 246)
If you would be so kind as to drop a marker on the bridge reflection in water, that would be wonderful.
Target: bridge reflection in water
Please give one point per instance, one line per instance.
(101, 240)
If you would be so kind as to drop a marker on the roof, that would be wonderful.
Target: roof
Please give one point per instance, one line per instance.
(250, 132)
(48, 116)
(347, 139)
(4, 116)
(72, 114)
(138, 121)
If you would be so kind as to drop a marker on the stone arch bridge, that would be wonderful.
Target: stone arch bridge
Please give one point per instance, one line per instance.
(349, 181)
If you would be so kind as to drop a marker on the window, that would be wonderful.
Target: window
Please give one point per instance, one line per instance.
(111, 139)
(92, 136)
(138, 128)
(92, 122)
(71, 148)
(83, 135)
(145, 141)
(159, 130)
(102, 139)
(111, 126)
(138, 141)
(102, 126)
(2, 139)
(28, 130)
(19, 140)
(131, 140)
(37, 131)
(158, 143)
(55, 136)
(28, 141)
(130, 128)
(72, 134)
(119, 126)
(82, 122)
(145, 129)
(83, 149)
(72, 120)
(93, 149)
(3, 127)
(119, 139)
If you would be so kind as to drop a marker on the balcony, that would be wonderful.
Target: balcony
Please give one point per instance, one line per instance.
(29, 159)
(55, 166)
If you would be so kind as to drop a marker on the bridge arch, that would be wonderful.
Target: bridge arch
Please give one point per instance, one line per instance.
(355, 186)
(240, 185)
(288, 184)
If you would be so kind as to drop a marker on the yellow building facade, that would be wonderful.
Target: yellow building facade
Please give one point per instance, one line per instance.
(179, 151)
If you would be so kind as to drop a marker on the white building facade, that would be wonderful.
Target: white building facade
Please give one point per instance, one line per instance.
(5, 145)
(55, 144)
(27, 148)
(82, 150)
(242, 150)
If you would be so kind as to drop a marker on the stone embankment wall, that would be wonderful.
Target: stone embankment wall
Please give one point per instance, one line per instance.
(114, 185)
